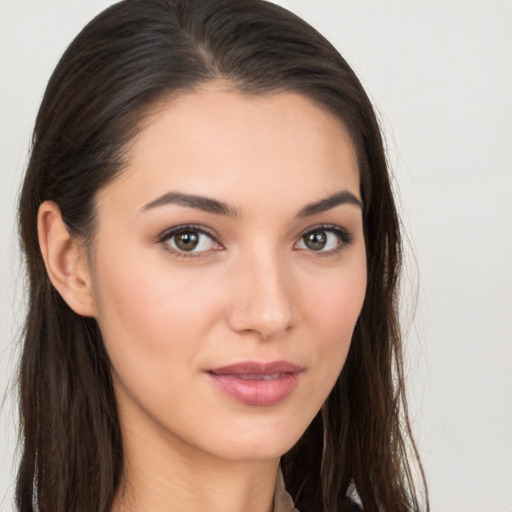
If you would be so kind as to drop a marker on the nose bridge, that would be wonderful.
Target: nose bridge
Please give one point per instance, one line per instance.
(263, 296)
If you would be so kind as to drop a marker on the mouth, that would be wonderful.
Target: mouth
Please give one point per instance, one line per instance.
(257, 384)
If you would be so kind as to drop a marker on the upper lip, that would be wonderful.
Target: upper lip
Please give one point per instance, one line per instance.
(257, 368)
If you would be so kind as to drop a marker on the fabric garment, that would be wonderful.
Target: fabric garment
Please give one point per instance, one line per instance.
(283, 502)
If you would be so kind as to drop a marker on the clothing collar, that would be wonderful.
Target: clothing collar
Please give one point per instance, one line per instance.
(283, 502)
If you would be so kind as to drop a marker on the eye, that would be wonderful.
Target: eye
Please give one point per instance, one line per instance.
(189, 239)
(324, 239)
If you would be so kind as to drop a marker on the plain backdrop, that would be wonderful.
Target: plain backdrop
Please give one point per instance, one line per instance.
(440, 75)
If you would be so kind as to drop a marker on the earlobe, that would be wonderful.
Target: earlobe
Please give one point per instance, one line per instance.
(65, 260)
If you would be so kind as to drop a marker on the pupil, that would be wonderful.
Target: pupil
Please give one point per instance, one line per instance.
(316, 240)
(187, 241)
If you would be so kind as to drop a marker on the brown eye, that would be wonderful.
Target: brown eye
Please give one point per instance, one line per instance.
(315, 240)
(325, 239)
(189, 240)
(186, 240)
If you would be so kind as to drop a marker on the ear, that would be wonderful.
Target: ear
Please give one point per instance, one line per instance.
(65, 260)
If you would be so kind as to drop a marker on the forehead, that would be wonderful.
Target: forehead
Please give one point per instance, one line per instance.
(224, 140)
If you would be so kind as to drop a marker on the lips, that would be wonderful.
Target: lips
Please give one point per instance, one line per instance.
(261, 384)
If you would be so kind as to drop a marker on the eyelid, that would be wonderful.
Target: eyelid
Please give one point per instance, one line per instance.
(170, 232)
(345, 237)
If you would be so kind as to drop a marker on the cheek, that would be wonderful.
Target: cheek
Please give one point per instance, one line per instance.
(149, 319)
(332, 312)
(145, 311)
(336, 302)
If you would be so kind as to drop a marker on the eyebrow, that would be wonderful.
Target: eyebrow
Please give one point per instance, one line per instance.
(213, 206)
(192, 201)
(342, 197)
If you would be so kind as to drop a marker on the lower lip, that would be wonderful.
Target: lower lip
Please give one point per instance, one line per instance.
(257, 391)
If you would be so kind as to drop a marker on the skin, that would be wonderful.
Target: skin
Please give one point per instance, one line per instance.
(252, 291)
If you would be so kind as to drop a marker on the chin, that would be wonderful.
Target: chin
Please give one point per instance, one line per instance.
(257, 443)
(256, 452)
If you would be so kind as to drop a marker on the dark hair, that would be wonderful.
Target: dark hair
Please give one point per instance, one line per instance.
(132, 55)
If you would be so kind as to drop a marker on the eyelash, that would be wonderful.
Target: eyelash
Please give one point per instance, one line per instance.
(345, 239)
(167, 235)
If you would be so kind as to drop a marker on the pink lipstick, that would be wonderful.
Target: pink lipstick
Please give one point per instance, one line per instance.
(253, 383)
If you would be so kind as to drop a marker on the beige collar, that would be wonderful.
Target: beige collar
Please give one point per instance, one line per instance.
(282, 500)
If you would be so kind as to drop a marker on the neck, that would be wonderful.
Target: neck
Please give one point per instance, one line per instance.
(168, 475)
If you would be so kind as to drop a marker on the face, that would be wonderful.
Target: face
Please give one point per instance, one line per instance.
(229, 270)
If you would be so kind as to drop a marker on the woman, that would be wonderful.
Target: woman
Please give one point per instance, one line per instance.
(213, 253)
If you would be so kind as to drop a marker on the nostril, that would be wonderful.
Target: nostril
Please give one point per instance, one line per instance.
(262, 300)
(267, 326)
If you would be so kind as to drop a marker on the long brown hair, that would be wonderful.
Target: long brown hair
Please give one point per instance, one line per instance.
(129, 57)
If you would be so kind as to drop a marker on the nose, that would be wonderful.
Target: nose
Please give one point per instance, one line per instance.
(262, 298)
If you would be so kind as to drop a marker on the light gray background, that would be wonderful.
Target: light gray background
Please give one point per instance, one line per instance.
(440, 74)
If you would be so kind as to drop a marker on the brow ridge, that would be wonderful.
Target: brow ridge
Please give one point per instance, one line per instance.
(192, 201)
(337, 199)
(217, 207)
